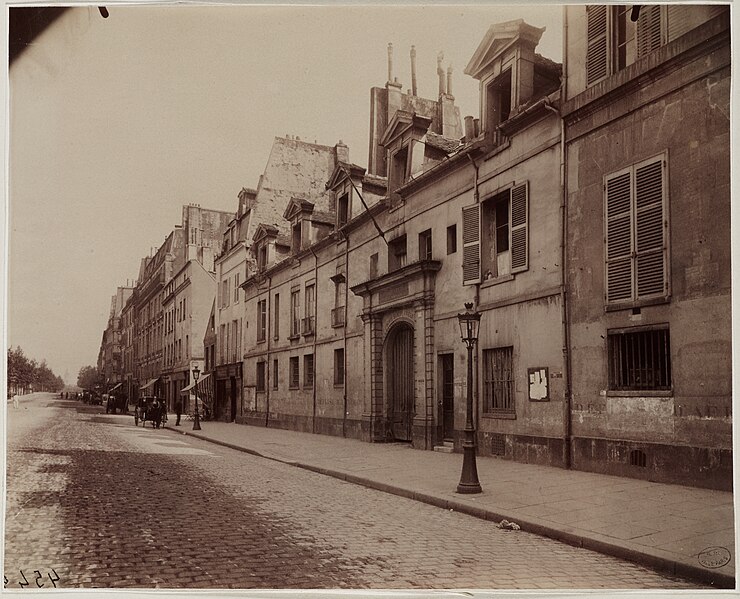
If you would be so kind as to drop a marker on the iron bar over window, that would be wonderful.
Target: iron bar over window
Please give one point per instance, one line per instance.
(640, 360)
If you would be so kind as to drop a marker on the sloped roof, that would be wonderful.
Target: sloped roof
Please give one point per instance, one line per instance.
(441, 142)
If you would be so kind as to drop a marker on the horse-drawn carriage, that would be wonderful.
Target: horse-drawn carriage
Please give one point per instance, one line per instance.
(150, 409)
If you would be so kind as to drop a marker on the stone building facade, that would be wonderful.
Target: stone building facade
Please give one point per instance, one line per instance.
(646, 117)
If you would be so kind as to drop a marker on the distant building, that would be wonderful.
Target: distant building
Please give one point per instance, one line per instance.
(111, 354)
(647, 137)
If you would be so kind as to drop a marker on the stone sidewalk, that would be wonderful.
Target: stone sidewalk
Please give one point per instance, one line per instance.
(684, 531)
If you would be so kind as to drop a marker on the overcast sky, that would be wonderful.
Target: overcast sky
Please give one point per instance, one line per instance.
(116, 123)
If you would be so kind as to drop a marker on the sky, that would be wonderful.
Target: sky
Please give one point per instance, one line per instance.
(115, 123)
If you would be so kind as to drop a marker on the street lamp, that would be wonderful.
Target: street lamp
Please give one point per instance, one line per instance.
(469, 323)
(196, 374)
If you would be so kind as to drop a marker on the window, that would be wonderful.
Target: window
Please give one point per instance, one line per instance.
(297, 246)
(498, 381)
(339, 366)
(236, 287)
(397, 253)
(425, 245)
(294, 373)
(187, 346)
(496, 236)
(295, 317)
(337, 313)
(498, 100)
(260, 376)
(639, 359)
(636, 233)
(308, 320)
(451, 239)
(262, 257)
(275, 374)
(614, 41)
(276, 311)
(343, 210)
(308, 370)
(261, 320)
(399, 168)
(373, 266)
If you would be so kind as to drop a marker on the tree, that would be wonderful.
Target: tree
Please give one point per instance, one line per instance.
(89, 377)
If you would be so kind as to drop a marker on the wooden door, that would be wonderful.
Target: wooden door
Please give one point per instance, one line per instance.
(448, 396)
(401, 382)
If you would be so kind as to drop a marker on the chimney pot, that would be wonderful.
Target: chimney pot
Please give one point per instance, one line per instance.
(469, 128)
(390, 62)
(413, 70)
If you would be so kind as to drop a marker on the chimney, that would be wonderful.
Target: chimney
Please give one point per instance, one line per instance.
(469, 128)
(390, 63)
(476, 127)
(441, 72)
(341, 151)
(413, 70)
(449, 80)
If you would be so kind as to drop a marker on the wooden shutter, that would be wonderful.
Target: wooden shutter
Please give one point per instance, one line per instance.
(471, 244)
(618, 192)
(519, 228)
(650, 228)
(679, 20)
(597, 43)
(649, 30)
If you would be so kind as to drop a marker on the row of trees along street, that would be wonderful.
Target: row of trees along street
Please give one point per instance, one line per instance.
(26, 375)
(90, 378)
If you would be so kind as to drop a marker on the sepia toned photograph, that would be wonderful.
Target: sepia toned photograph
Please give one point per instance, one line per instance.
(401, 297)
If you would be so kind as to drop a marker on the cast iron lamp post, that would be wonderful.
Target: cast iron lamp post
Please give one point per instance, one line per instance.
(469, 323)
(196, 374)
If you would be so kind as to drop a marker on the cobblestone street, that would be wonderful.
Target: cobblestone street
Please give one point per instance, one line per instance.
(96, 502)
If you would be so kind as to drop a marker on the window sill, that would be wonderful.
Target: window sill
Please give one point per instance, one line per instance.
(260, 391)
(497, 281)
(641, 393)
(308, 334)
(293, 338)
(338, 385)
(337, 326)
(653, 301)
(261, 340)
(292, 387)
(307, 387)
(500, 415)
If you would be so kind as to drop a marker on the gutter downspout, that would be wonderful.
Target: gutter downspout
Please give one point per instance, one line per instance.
(315, 331)
(267, 364)
(476, 198)
(344, 334)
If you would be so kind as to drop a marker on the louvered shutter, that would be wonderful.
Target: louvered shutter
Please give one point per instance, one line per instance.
(649, 30)
(619, 237)
(650, 227)
(519, 228)
(679, 20)
(471, 244)
(597, 49)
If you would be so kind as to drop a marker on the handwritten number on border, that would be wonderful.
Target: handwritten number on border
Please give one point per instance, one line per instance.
(55, 579)
(24, 578)
(38, 577)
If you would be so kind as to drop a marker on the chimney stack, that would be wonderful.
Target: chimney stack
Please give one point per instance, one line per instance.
(441, 72)
(469, 128)
(413, 70)
(390, 63)
(449, 80)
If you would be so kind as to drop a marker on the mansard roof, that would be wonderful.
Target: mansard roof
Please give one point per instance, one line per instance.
(498, 38)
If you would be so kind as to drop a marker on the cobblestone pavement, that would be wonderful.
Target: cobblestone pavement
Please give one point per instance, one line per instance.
(101, 503)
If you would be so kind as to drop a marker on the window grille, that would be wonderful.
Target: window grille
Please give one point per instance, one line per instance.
(308, 370)
(339, 366)
(260, 376)
(639, 360)
(498, 380)
(294, 373)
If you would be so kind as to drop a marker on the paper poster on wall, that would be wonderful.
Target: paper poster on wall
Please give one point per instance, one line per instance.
(538, 383)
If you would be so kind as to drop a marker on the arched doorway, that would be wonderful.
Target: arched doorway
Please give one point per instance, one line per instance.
(400, 373)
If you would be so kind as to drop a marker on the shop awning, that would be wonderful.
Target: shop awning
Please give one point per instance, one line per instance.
(149, 383)
(191, 385)
(116, 387)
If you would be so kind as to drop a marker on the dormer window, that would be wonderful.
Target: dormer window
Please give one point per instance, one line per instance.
(262, 257)
(498, 100)
(399, 167)
(343, 210)
(296, 244)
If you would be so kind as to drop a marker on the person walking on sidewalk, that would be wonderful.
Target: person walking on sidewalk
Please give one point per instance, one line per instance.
(178, 410)
(16, 404)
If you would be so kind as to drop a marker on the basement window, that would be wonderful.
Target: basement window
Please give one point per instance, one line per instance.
(639, 360)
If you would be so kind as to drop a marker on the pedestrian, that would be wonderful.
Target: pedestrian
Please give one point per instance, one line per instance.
(16, 404)
(178, 410)
(156, 413)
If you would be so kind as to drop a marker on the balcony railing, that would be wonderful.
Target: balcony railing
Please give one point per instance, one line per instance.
(307, 326)
(337, 316)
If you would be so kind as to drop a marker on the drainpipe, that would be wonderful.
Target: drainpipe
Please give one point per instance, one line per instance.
(315, 330)
(268, 319)
(567, 418)
(344, 334)
(476, 198)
